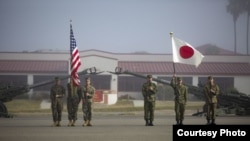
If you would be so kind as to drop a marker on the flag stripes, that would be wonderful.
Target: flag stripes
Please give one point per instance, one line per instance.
(75, 59)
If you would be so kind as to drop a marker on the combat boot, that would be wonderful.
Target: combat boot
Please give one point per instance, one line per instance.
(146, 123)
(54, 124)
(89, 124)
(151, 123)
(177, 122)
(73, 123)
(208, 122)
(85, 123)
(70, 123)
(181, 123)
(58, 124)
(213, 122)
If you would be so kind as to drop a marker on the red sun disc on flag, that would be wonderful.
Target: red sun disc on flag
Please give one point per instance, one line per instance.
(186, 52)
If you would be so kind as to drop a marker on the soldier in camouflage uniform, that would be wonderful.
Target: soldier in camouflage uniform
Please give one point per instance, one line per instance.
(211, 91)
(180, 92)
(87, 92)
(73, 101)
(149, 90)
(57, 93)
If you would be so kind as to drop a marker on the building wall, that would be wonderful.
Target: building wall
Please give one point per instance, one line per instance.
(242, 84)
(118, 56)
(33, 56)
(106, 61)
(15, 79)
(100, 62)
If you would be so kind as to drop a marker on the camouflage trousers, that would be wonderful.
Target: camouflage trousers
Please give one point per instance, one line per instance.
(179, 111)
(211, 110)
(149, 107)
(87, 110)
(57, 107)
(72, 107)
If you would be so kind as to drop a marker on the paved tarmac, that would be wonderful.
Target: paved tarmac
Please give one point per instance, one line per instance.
(106, 127)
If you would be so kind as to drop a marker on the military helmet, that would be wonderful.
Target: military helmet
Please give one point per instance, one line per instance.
(57, 78)
(210, 77)
(179, 78)
(149, 76)
(87, 78)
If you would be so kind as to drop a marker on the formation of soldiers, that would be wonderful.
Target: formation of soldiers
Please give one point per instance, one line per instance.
(149, 89)
(82, 94)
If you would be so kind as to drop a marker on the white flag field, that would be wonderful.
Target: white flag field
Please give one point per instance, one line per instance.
(185, 53)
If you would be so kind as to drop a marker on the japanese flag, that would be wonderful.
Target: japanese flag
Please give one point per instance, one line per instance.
(184, 53)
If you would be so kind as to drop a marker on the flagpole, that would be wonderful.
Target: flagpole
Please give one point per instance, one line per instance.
(174, 76)
(174, 67)
(71, 81)
(171, 36)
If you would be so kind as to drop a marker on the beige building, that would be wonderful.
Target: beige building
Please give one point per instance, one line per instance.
(20, 68)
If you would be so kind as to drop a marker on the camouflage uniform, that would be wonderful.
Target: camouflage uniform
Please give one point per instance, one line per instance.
(211, 92)
(72, 104)
(57, 93)
(180, 92)
(149, 90)
(87, 103)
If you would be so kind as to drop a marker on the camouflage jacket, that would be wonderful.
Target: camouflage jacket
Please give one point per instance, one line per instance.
(73, 92)
(87, 89)
(211, 92)
(180, 92)
(149, 94)
(57, 90)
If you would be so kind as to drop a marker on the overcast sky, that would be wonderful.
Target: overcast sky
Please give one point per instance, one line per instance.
(119, 26)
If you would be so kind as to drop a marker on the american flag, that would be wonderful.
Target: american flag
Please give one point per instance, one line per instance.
(75, 59)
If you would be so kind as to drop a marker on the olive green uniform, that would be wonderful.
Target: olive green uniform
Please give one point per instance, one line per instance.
(180, 92)
(72, 103)
(57, 102)
(149, 101)
(211, 92)
(87, 102)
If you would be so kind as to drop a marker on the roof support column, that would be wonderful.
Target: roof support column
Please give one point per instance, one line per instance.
(30, 80)
(114, 83)
(195, 80)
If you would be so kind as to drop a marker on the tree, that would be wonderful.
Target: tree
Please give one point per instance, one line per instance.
(246, 5)
(234, 8)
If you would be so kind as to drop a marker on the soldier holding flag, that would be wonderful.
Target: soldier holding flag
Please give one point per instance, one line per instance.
(73, 97)
(73, 101)
(180, 92)
(183, 53)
